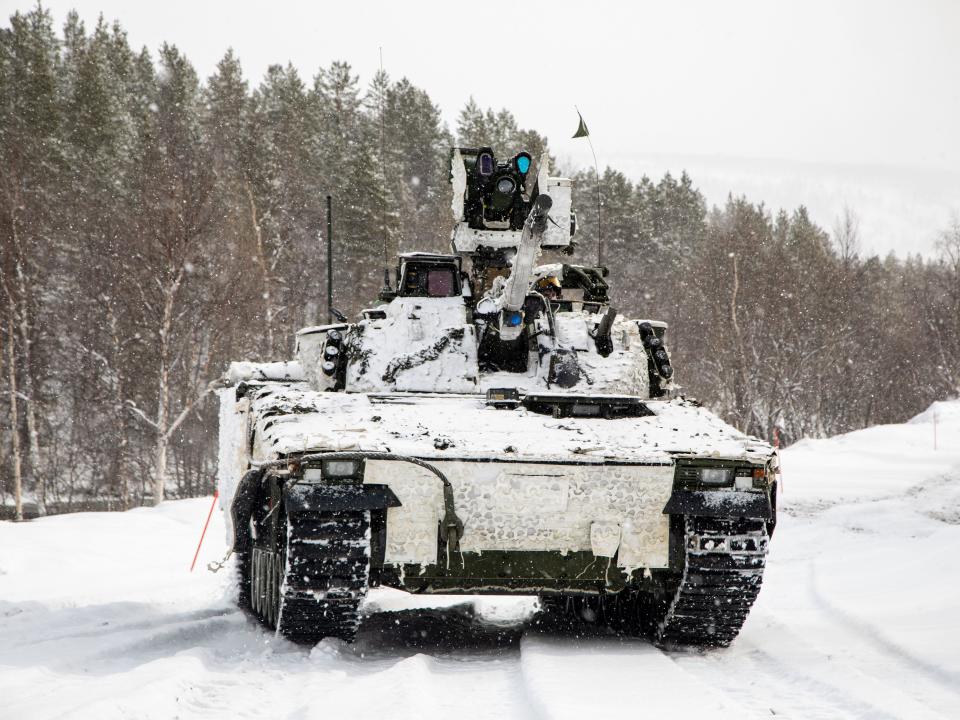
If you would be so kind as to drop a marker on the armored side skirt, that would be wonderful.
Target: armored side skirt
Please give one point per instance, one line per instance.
(320, 498)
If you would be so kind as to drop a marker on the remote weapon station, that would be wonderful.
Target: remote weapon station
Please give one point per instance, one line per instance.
(493, 426)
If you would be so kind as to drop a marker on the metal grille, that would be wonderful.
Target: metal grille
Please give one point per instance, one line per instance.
(687, 474)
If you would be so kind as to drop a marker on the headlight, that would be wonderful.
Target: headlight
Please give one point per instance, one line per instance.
(341, 469)
(312, 475)
(716, 475)
(694, 475)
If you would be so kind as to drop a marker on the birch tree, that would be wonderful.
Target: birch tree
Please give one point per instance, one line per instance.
(172, 229)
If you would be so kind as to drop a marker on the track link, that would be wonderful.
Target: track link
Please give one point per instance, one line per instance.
(723, 569)
(704, 606)
(313, 588)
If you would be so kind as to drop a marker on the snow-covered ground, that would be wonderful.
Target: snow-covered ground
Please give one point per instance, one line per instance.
(100, 618)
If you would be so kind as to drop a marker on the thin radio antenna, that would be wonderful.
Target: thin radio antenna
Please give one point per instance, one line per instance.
(582, 131)
(383, 174)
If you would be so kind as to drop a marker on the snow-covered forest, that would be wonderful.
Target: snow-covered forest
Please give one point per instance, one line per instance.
(155, 225)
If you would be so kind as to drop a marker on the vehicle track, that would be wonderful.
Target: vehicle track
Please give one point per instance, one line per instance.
(722, 573)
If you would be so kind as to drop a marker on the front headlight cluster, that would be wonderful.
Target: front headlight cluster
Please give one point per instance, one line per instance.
(715, 476)
(703, 475)
(341, 468)
(336, 471)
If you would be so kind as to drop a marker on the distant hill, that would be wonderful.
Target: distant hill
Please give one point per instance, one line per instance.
(901, 209)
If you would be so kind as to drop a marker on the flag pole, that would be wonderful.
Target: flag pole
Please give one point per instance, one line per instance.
(582, 131)
(383, 173)
(596, 171)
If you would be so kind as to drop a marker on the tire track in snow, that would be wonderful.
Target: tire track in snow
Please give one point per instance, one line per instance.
(77, 624)
(873, 635)
(444, 659)
(577, 677)
(784, 673)
(759, 680)
(92, 641)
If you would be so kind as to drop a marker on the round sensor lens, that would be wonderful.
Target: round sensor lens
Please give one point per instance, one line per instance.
(505, 186)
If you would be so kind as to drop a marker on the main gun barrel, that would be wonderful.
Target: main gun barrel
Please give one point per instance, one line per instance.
(515, 292)
(518, 283)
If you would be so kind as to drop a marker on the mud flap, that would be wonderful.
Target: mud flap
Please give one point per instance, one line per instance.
(242, 508)
(319, 498)
(719, 504)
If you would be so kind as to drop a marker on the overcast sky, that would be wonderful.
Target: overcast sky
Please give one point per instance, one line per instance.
(864, 91)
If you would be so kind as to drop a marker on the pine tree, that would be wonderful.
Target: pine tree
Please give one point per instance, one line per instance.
(29, 172)
(101, 141)
(416, 167)
(286, 172)
(348, 138)
(499, 130)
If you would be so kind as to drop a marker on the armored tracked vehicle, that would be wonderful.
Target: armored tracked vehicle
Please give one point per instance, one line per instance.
(492, 426)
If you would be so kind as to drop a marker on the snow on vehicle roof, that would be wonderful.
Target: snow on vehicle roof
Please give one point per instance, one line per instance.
(293, 419)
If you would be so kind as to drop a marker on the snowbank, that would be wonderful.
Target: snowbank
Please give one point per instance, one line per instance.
(947, 412)
(864, 566)
(877, 462)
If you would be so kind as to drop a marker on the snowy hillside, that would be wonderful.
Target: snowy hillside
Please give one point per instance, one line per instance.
(100, 618)
(901, 209)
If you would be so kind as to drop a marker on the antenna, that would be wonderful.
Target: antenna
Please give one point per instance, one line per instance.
(383, 174)
(582, 131)
(329, 259)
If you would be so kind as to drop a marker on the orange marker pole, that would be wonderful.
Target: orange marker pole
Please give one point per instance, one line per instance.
(216, 494)
(776, 445)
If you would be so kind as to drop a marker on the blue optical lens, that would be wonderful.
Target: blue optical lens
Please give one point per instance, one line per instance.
(523, 164)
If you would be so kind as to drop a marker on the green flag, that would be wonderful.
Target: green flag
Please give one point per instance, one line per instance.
(582, 128)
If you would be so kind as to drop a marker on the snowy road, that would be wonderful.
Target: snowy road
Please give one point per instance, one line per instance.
(99, 618)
